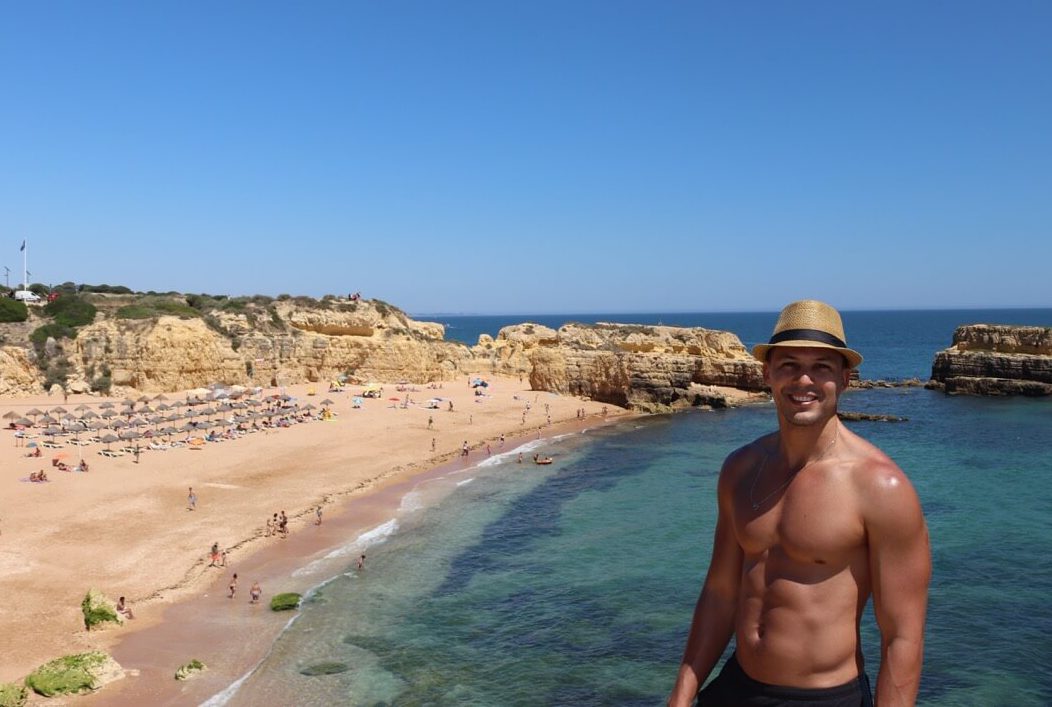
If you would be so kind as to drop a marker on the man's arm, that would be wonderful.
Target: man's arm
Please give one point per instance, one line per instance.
(713, 622)
(900, 567)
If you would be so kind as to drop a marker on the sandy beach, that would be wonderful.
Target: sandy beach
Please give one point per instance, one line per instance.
(124, 526)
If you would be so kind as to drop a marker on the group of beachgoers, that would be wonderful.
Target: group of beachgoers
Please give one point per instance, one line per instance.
(85, 426)
(278, 524)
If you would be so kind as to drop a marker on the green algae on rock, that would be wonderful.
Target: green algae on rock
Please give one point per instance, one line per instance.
(98, 610)
(12, 695)
(189, 670)
(285, 602)
(71, 674)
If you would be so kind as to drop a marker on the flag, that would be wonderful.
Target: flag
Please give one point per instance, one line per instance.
(23, 247)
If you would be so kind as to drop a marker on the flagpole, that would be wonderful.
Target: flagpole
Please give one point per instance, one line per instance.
(25, 267)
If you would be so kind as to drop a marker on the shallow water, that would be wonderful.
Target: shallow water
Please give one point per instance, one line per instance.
(514, 584)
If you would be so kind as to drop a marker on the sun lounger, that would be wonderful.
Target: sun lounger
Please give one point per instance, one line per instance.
(110, 453)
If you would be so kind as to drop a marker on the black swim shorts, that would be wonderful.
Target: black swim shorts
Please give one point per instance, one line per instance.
(733, 688)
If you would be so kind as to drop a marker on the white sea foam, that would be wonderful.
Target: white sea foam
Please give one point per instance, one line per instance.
(221, 698)
(465, 481)
(412, 501)
(367, 539)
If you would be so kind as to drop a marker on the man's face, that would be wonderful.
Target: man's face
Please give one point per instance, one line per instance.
(805, 382)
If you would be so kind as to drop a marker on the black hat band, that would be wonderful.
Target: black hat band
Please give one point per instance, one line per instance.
(807, 335)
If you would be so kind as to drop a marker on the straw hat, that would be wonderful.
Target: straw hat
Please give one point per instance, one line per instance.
(809, 323)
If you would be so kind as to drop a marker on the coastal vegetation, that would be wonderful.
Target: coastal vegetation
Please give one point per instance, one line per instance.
(12, 310)
(286, 601)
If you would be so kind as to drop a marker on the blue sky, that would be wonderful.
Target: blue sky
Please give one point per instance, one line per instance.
(483, 157)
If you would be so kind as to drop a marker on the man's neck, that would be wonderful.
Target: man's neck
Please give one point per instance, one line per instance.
(800, 445)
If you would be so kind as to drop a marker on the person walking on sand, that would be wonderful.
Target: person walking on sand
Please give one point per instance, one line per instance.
(215, 555)
(283, 525)
(813, 521)
(317, 514)
(361, 561)
(233, 586)
(255, 593)
(430, 422)
(191, 499)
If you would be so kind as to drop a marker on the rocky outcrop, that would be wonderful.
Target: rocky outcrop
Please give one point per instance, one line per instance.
(285, 342)
(18, 373)
(649, 368)
(988, 359)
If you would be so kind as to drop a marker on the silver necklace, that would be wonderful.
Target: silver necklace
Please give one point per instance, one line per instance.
(756, 505)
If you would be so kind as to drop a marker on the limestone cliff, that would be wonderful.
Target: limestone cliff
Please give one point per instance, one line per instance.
(161, 344)
(989, 359)
(648, 368)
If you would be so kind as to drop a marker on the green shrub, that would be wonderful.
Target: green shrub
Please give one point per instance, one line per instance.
(151, 307)
(102, 384)
(67, 675)
(285, 602)
(107, 289)
(12, 695)
(135, 311)
(41, 334)
(71, 311)
(11, 310)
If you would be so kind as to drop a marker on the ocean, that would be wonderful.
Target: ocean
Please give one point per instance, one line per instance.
(508, 584)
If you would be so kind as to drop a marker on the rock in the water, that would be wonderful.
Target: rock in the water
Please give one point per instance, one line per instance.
(285, 602)
(189, 670)
(870, 417)
(326, 668)
(988, 359)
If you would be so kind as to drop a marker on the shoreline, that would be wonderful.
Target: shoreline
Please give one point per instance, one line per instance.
(238, 641)
(124, 528)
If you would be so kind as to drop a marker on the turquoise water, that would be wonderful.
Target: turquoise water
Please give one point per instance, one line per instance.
(574, 583)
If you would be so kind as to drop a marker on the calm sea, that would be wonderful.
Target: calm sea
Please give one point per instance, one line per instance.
(574, 584)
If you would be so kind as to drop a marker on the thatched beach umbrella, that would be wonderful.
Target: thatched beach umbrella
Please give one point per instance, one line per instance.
(24, 421)
(118, 424)
(110, 439)
(98, 425)
(144, 398)
(57, 410)
(328, 402)
(106, 406)
(81, 408)
(34, 413)
(12, 415)
(109, 414)
(89, 415)
(47, 420)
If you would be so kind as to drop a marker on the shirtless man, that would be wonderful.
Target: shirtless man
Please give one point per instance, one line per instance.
(812, 520)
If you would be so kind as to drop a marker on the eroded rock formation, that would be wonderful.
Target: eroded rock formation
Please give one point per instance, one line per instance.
(644, 367)
(990, 359)
(650, 368)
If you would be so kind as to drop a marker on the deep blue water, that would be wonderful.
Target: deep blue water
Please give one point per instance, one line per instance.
(574, 584)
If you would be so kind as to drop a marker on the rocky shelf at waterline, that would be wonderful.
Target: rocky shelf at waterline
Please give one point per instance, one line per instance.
(990, 359)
